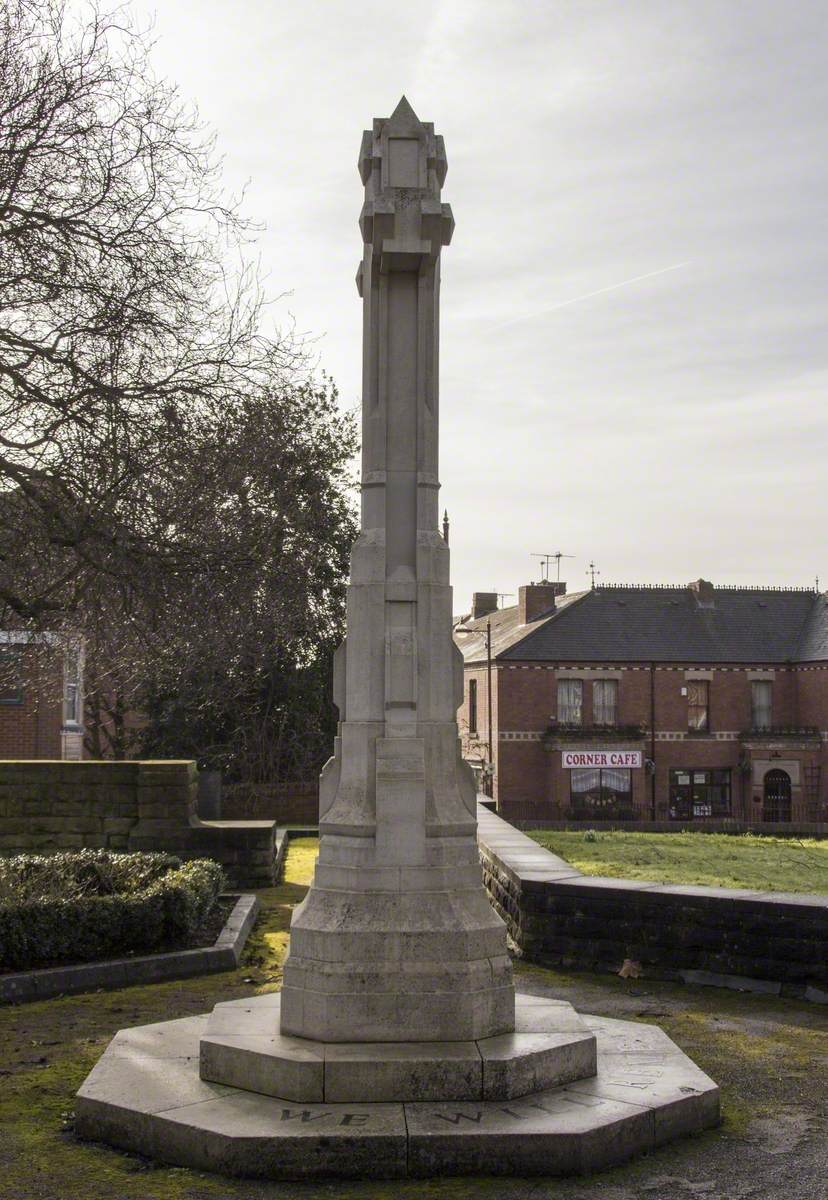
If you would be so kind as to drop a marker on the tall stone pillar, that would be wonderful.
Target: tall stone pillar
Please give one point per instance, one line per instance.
(396, 939)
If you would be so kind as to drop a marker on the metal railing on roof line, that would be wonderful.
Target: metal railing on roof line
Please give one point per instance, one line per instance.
(683, 587)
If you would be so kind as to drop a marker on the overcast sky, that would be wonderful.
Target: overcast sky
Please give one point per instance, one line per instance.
(669, 428)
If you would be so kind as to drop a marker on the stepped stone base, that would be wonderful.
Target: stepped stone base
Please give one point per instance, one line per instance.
(242, 1047)
(145, 1095)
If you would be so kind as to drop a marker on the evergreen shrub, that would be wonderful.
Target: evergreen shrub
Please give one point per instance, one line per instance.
(91, 904)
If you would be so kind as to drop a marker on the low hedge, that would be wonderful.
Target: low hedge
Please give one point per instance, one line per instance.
(96, 904)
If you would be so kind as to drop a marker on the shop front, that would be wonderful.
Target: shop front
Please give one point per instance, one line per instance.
(699, 794)
(785, 776)
(602, 783)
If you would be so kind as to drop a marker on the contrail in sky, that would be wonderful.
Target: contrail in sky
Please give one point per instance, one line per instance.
(598, 292)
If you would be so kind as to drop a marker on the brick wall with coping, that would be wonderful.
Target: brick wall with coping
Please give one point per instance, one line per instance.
(48, 805)
(559, 917)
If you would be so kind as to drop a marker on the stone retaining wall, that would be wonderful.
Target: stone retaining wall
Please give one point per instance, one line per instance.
(769, 941)
(48, 805)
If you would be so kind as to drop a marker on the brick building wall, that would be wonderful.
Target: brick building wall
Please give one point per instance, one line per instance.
(33, 682)
(31, 716)
(531, 782)
(475, 739)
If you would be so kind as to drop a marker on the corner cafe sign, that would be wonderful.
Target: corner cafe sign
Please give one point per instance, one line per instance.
(570, 759)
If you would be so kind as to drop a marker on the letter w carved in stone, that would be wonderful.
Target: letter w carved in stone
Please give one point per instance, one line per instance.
(303, 1114)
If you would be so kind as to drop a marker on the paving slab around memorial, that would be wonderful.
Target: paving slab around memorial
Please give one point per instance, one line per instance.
(146, 1096)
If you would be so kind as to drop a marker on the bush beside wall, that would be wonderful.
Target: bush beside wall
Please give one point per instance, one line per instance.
(164, 909)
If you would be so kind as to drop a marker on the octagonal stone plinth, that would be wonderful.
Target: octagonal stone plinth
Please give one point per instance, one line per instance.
(242, 1047)
(145, 1096)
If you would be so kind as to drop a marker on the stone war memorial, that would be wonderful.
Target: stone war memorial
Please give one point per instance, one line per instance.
(397, 1046)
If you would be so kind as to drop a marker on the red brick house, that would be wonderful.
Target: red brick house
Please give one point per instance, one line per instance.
(670, 704)
(41, 697)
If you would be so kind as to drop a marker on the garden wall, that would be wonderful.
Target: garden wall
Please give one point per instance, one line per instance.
(286, 804)
(150, 805)
(768, 941)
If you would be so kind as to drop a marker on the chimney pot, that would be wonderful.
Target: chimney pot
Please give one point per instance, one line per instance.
(483, 603)
(703, 592)
(536, 599)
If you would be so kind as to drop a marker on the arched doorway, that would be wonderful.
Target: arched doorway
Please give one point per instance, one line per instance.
(777, 797)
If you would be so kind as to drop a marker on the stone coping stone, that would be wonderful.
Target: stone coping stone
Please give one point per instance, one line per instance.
(223, 955)
(242, 1046)
(145, 1096)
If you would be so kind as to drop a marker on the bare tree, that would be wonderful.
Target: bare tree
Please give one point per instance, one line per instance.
(118, 318)
(173, 483)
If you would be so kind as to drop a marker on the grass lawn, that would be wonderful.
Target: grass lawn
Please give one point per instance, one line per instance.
(714, 859)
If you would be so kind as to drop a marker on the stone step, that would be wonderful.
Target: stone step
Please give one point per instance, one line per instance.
(242, 1047)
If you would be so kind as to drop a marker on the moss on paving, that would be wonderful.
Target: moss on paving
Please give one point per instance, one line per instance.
(712, 859)
(765, 1054)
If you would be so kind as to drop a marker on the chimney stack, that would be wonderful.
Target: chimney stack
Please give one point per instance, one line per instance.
(483, 603)
(537, 599)
(703, 592)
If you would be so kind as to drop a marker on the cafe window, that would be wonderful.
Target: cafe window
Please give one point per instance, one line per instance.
(601, 794)
(761, 704)
(698, 794)
(570, 701)
(605, 702)
(472, 706)
(698, 705)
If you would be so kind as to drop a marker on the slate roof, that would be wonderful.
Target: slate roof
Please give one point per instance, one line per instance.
(663, 624)
(505, 629)
(813, 646)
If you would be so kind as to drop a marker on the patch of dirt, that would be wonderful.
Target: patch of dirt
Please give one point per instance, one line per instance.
(783, 1132)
